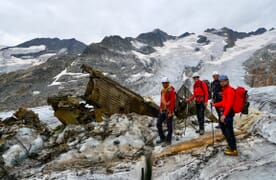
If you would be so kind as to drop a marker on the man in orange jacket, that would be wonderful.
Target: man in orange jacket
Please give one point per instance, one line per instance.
(200, 94)
(167, 102)
(227, 115)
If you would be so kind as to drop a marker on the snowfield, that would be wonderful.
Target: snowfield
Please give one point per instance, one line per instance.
(9, 63)
(176, 55)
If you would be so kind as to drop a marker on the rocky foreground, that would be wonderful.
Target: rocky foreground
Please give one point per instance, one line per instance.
(123, 147)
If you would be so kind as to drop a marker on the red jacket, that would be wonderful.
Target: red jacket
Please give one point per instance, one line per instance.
(228, 95)
(200, 92)
(167, 100)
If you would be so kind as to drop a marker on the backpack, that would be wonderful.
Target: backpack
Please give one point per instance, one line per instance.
(208, 84)
(241, 104)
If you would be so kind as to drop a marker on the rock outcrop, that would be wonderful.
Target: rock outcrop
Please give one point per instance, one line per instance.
(261, 67)
(202, 39)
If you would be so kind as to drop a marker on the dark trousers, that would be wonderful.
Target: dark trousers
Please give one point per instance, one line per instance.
(228, 132)
(200, 108)
(163, 115)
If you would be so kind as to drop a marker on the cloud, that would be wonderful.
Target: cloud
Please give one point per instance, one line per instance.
(90, 20)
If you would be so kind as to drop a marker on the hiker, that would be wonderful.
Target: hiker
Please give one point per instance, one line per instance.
(216, 92)
(167, 102)
(227, 115)
(200, 94)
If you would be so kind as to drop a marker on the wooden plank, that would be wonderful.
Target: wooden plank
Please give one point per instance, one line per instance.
(204, 140)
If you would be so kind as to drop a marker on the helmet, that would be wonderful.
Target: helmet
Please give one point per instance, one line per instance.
(223, 77)
(215, 73)
(195, 74)
(165, 79)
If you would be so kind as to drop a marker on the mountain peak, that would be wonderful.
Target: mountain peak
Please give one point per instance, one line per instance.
(185, 34)
(116, 42)
(154, 38)
(157, 30)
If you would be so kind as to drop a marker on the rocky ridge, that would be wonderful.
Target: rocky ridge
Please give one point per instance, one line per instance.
(54, 45)
(231, 35)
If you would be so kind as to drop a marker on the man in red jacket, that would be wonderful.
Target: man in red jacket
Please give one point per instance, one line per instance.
(200, 95)
(227, 115)
(167, 102)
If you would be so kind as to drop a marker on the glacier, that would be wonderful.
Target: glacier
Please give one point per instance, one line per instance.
(257, 157)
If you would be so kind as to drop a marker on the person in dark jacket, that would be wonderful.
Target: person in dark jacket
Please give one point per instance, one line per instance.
(200, 95)
(216, 92)
(227, 115)
(167, 102)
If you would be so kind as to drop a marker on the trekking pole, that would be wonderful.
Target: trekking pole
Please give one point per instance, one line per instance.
(213, 127)
(187, 111)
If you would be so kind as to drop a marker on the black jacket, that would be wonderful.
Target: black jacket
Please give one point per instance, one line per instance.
(216, 91)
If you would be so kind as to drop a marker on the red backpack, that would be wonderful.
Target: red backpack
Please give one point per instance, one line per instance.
(240, 102)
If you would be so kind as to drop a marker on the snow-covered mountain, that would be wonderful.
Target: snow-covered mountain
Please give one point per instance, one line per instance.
(36, 51)
(139, 63)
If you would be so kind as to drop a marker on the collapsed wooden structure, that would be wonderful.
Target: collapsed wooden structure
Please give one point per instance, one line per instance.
(109, 97)
(106, 95)
(112, 97)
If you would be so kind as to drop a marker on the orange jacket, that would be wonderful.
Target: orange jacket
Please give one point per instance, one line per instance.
(200, 92)
(228, 95)
(167, 100)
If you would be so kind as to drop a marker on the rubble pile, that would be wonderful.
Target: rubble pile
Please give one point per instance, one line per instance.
(98, 146)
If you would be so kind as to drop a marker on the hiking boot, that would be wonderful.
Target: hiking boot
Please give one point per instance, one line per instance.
(166, 143)
(230, 152)
(228, 147)
(160, 141)
(201, 132)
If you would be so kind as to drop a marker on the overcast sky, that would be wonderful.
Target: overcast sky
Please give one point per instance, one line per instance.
(91, 20)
